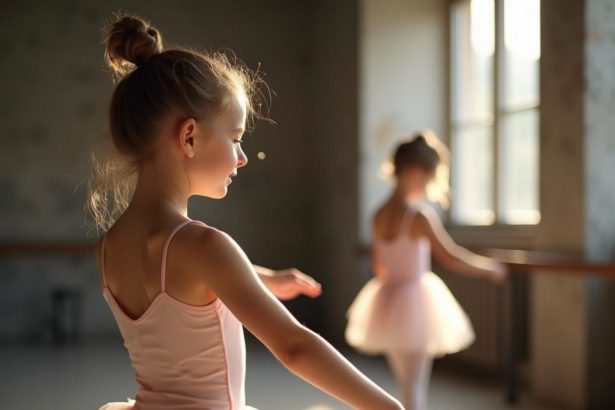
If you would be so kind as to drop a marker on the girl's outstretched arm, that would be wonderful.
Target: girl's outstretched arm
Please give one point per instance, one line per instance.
(452, 256)
(231, 276)
(289, 283)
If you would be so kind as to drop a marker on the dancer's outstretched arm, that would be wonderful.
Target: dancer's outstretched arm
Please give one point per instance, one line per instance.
(453, 256)
(231, 276)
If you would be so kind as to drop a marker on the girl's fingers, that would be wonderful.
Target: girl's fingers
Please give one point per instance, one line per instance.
(310, 280)
(309, 288)
(311, 284)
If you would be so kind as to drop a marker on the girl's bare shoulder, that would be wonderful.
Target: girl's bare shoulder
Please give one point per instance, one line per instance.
(381, 219)
(424, 220)
(201, 246)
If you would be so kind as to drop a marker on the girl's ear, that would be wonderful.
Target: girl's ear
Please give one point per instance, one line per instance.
(187, 136)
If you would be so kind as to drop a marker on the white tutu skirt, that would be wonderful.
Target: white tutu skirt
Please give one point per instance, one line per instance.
(130, 405)
(419, 316)
(127, 405)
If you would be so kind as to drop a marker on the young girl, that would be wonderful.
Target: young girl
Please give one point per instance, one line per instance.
(406, 312)
(180, 290)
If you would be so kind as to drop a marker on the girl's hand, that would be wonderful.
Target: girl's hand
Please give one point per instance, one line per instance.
(289, 283)
(499, 274)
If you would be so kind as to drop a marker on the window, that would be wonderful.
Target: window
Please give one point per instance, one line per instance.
(495, 52)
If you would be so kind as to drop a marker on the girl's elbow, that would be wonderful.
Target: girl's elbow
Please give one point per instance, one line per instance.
(294, 345)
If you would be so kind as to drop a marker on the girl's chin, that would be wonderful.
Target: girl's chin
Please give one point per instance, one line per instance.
(214, 194)
(221, 194)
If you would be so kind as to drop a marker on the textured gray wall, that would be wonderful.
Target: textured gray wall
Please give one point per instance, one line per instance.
(557, 302)
(55, 92)
(572, 334)
(333, 158)
(600, 197)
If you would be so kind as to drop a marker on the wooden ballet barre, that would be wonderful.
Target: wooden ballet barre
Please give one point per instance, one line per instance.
(523, 261)
(46, 248)
(527, 263)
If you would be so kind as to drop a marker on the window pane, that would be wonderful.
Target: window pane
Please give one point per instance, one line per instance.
(472, 176)
(472, 61)
(519, 165)
(522, 52)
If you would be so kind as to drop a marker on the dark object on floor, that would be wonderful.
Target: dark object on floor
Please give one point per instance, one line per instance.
(66, 314)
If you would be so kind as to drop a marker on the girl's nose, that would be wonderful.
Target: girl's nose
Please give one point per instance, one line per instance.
(242, 160)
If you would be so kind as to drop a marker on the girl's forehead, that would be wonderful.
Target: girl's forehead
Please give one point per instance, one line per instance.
(236, 109)
(418, 170)
(232, 116)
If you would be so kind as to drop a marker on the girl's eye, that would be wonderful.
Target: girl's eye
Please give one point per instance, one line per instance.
(238, 142)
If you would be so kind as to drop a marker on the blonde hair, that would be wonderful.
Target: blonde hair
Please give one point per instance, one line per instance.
(150, 82)
(424, 149)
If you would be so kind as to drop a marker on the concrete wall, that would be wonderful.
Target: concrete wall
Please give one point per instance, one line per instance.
(599, 223)
(55, 93)
(333, 157)
(572, 352)
(558, 302)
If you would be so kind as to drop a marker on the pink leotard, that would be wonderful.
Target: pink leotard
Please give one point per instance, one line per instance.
(184, 356)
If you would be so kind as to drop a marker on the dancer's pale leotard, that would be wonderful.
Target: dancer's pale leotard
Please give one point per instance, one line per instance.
(184, 357)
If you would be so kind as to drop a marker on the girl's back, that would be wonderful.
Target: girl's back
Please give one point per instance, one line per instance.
(402, 250)
(134, 248)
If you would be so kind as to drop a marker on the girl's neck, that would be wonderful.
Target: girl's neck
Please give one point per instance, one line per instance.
(402, 198)
(159, 194)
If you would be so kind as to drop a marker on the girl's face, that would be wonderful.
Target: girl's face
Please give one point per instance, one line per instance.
(413, 182)
(217, 151)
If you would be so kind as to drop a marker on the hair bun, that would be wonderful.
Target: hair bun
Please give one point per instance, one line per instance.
(130, 41)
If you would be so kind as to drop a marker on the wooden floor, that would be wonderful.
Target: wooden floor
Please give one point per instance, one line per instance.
(87, 376)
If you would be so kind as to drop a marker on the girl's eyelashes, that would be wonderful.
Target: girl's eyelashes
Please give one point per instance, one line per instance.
(238, 141)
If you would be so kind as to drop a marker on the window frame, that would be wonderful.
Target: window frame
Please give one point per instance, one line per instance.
(499, 231)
